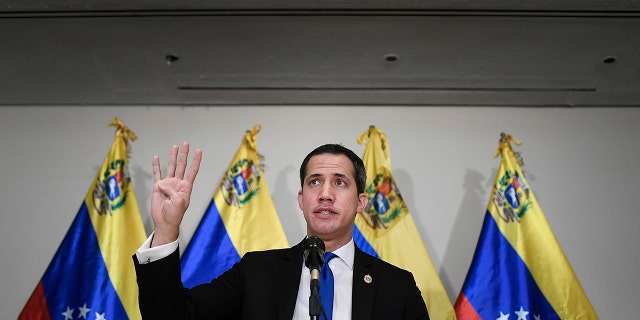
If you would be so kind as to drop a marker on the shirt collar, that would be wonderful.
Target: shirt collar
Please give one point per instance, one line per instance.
(346, 253)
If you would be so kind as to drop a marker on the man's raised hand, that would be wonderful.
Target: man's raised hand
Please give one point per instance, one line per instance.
(171, 195)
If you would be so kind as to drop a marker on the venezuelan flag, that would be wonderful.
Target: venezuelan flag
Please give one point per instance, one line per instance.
(386, 229)
(91, 275)
(240, 218)
(518, 270)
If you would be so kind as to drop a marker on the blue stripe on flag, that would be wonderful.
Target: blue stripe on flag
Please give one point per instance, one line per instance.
(77, 275)
(210, 252)
(362, 243)
(499, 280)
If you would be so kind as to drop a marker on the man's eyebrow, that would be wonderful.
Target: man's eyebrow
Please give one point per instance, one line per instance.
(339, 175)
(312, 176)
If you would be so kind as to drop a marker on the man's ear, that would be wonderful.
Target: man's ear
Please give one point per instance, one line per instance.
(300, 199)
(362, 202)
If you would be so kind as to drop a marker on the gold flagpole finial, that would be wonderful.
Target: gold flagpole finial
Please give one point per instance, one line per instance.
(364, 137)
(251, 136)
(255, 129)
(123, 130)
(505, 144)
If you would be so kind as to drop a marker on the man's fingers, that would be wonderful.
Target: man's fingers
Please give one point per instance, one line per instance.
(182, 160)
(171, 168)
(178, 164)
(157, 174)
(195, 166)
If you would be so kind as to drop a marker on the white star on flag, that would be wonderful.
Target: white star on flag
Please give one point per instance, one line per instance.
(83, 311)
(100, 316)
(68, 314)
(522, 315)
(503, 316)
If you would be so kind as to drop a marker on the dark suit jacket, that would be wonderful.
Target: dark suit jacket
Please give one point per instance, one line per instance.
(264, 285)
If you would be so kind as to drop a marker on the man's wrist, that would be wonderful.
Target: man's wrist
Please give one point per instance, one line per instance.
(162, 236)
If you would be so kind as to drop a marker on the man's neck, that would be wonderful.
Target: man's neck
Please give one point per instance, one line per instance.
(335, 244)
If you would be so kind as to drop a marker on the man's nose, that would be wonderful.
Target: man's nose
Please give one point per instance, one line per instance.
(326, 193)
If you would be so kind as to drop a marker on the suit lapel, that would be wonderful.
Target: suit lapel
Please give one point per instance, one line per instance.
(289, 281)
(364, 286)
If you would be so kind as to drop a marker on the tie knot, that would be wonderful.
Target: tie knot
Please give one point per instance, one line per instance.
(328, 256)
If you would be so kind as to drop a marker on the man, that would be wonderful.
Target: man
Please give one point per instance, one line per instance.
(274, 284)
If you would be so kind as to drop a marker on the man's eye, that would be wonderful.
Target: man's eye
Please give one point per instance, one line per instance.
(340, 182)
(314, 182)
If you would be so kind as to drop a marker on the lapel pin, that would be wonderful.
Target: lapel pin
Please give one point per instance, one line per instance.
(368, 278)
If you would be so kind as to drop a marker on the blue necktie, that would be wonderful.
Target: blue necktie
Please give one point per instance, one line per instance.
(326, 286)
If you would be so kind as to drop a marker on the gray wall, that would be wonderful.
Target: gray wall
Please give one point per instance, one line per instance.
(582, 164)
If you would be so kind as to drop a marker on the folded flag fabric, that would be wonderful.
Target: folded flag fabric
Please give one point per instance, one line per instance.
(519, 270)
(386, 229)
(91, 275)
(240, 218)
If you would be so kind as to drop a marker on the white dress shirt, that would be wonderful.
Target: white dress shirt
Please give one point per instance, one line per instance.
(341, 266)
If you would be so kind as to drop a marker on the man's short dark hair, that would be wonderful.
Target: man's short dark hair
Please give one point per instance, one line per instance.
(359, 172)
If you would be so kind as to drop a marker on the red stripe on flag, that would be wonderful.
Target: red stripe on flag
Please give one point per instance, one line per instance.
(464, 309)
(36, 307)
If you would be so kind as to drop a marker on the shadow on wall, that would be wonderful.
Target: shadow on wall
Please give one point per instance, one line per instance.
(143, 185)
(466, 228)
(286, 202)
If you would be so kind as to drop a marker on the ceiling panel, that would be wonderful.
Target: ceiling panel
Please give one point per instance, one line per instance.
(66, 6)
(65, 54)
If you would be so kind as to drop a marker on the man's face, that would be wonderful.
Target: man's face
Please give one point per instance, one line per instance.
(329, 198)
